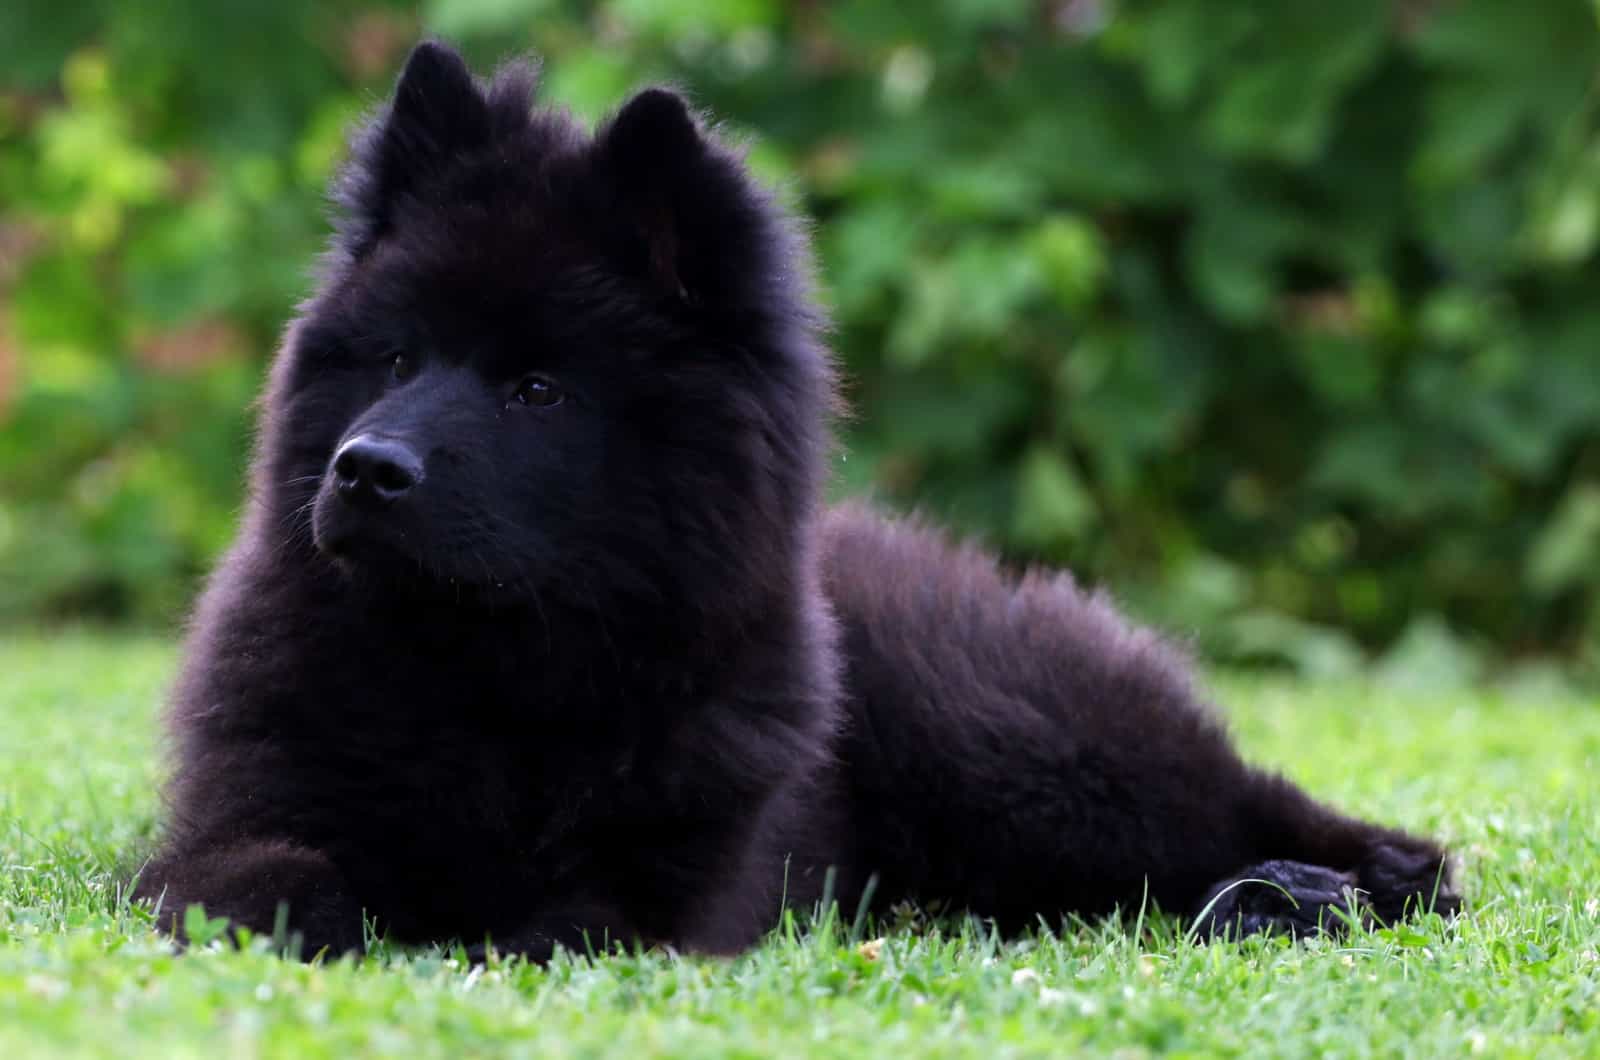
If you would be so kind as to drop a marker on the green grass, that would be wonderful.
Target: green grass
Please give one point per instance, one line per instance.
(1512, 786)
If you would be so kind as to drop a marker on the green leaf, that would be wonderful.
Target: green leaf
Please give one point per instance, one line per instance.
(1071, 257)
(1430, 657)
(1566, 553)
(1053, 506)
(200, 929)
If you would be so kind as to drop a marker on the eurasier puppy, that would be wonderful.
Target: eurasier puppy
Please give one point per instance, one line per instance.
(537, 629)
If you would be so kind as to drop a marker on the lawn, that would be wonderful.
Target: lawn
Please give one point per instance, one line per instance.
(1510, 784)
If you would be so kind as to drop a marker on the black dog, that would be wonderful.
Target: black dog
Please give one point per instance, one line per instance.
(537, 628)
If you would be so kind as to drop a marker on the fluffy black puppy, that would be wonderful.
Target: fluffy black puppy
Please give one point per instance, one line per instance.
(537, 630)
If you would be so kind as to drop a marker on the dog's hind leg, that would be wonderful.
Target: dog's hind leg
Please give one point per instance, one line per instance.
(1327, 869)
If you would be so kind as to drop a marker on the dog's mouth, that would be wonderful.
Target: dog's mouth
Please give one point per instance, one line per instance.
(359, 539)
(365, 550)
(380, 551)
(391, 549)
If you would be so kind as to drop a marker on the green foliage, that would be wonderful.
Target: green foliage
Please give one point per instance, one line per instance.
(1509, 784)
(1282, 319)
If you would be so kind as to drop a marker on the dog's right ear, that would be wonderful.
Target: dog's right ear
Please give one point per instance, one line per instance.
(438, 113)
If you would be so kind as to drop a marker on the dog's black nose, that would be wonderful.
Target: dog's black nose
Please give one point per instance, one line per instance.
(375, 471)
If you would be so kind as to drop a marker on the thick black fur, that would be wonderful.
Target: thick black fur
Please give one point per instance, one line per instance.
(588, 661)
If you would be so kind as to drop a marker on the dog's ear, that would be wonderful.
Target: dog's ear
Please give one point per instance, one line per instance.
(437, 114)
(438, 111)
(682, 201)
(653, 130)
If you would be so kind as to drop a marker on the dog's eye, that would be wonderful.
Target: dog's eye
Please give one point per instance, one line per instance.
(403, 366)
(538, 391)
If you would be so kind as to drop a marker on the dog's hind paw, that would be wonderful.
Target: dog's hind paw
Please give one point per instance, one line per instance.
(1280, 898)
(1399, 882)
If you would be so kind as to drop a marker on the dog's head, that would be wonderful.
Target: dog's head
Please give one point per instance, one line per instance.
(541, 361)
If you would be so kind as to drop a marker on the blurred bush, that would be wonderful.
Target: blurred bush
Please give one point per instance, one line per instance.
(1283, 319)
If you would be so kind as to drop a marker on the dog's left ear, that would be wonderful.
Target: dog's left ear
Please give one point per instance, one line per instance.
(682, 201)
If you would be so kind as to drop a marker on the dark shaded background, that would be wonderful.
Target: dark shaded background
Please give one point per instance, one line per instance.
(1281, 319)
